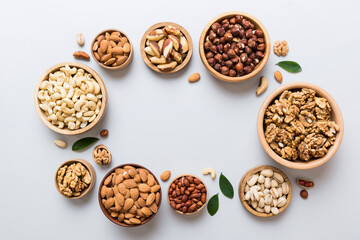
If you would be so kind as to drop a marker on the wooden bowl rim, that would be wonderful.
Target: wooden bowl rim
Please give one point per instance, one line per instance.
(258, 67)
(66, 131)
(242, 189)
(102, 146)
(88, 166)
(126, 63)
(178, 67)
(336, 114)
(105, 212)
(184, 175)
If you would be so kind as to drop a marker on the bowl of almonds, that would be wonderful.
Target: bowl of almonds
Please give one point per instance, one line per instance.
(129, 195)
(75, 178)
(265, 191)
(112, 49)
(166, 47)
(187, 194)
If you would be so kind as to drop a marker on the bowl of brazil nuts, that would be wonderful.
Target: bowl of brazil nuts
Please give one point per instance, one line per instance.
(112, 49)
(234, 46)
(75, 178)
(187, 194)
(70, 98)
(129, 195)
(300, 125)
(265, 191)
(166, 47)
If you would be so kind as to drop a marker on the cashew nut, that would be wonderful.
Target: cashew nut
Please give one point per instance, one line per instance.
(263, 85)
(210, 171)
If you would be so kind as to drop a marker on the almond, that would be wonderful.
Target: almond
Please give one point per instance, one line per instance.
(115, 38)
(134, 193)
(154, 208)
(110, 61)
(109, 193)
(103, 191)
(146, 211)
(127, 47)
(155, 188)
(122, 188)
(165, 175)
(132, 172)
(108, 180)
(130, 183)
(117, 50)
(150, 200)
(143, 174)
(194, 77)
(157, 198)
(151, 180)
(128, 204)
(104, 45)
(121, 217)
(109, 203)
(142, 202)
(144, 187)
(120, 199)
(137, 178)
(105, 57)
(278, 76)
(121, 59)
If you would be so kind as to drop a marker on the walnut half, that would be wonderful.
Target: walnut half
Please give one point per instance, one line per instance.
(101, 155)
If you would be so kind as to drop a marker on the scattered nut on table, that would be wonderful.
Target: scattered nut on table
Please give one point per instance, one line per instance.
(60, 143)
(81, 55)
(278, 76)
(304, 194)
(281, 48)
(101, 155)
(104, 133)
(298, 125)
(305, 183)
(194, 77)
(73, 180)
(80, 39)
(210, 171)
(263, 85)
(70, 97)
(166, 47)
(266, 191)
(131, 195)
(165, 175)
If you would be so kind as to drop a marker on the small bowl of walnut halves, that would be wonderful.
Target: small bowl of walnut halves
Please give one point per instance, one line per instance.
(300, 125)
(75, 178)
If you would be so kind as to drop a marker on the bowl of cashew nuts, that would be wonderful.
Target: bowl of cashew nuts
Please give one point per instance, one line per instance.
(70, 98)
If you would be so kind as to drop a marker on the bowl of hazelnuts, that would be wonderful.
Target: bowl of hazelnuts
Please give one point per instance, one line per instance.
(234, 46)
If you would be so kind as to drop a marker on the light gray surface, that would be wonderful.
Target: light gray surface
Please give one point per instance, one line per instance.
(163, 122)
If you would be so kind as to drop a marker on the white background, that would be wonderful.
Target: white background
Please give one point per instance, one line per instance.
(163, 122)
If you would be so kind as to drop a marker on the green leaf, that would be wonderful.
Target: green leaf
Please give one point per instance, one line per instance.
(84, 143)
(226, 187)
(213, 204)
(290, 66)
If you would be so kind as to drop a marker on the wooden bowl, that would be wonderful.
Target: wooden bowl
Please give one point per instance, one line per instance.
(336, 116)
(107, 214)
(126, 63)
(88, 166)
(201, 208)
(258, 68)
(67, 131)
(178, 67)
(242, 184)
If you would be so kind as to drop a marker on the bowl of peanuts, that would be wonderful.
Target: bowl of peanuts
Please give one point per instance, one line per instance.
(129, 195)
(70, 98)
(112, 49)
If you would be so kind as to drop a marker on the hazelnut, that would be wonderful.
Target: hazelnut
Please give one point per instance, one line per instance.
(252, 56)
(304, 194)
(222, 40)
(217, 67)
(209, 55)
(252, 43)
(239, 18)
(259, 54)
(261, 47)
(252, 66)
(225, 57)
(237, 50)
(240, 45)
(220, 47)
(244, 41)
(235, 31)
(207, 46)
(242, 33)
(225, 21)
(248, 33)
(104, 133)
(246, 24)
(216, 41)
(229, 64)
(247, 69)
(232, 20)
(259, 33)
(224, 70)
(239, 74)
(218, 57)
(235, 59)
(226, 26)
(252, 26)
(220, 32)
(248, 62)
(215, 26)
(211, 61)
(232, 73)
(228, 37)
(243, 57)
(256, 61)
(239, 67)
(233, 45)
(231, 53)
(260, 40)
(248, 50)
(212, 35)
(227, 47)
(213, 49)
